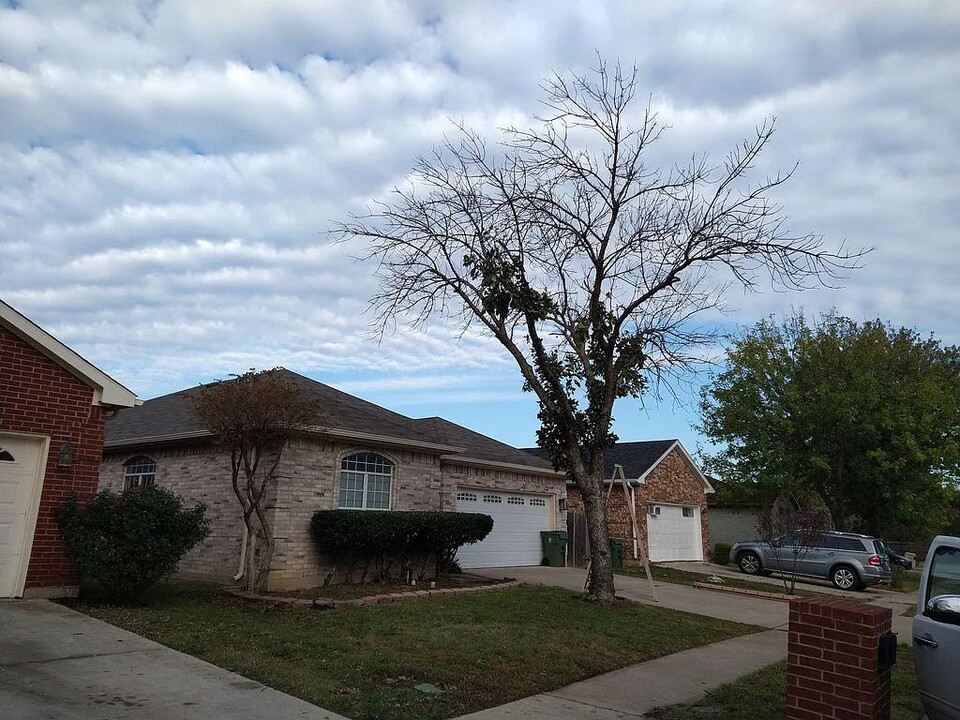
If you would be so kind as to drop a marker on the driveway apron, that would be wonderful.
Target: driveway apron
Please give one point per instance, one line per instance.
(57, 664)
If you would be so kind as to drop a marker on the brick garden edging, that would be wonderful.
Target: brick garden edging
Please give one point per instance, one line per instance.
(330, 604)
(780, 597)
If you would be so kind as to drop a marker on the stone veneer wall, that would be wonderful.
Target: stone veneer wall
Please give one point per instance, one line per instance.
(673, 481)
(308, 479)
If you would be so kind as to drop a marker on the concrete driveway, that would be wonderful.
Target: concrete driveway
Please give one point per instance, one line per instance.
(57, 664)
(753, 611)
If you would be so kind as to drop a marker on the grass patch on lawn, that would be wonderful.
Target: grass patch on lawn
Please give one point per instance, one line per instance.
(762, 695)
(352, 591)
(910, 611)
(481, 650)
(685, 577)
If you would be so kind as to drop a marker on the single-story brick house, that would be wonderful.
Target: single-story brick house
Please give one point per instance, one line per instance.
(52, 409)
(366, 457)
(668, 492)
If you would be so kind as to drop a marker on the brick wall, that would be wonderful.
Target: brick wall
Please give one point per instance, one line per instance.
(201, 475)
(39, 396)
(832, 661)
(307, 481)
(673, 481)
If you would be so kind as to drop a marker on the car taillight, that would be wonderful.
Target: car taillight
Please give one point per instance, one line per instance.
(875, 560)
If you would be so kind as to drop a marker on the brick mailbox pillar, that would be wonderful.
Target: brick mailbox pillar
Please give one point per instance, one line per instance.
(833, 664)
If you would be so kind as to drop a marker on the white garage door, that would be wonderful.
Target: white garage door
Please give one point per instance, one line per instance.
(21, 468)
(674, 532)
(517, 522)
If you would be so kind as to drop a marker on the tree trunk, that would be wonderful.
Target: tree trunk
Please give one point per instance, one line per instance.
(600, 583)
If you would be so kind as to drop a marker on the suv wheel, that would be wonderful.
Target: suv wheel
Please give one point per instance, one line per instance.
(749, 563)
(845, 577)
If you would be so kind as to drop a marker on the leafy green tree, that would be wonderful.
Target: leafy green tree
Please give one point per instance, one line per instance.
(866, 417)
(584, 260)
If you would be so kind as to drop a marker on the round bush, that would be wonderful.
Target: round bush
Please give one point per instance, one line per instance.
(126, 542)
(721, 553)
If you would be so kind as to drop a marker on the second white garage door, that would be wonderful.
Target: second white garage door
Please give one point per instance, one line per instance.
(21, 473)
(517, 522)
(673, 532)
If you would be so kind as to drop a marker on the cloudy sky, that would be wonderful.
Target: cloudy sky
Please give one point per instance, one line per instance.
(168, 170)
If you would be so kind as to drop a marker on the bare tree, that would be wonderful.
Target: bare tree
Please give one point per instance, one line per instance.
(253, 416)
(790, 537)
(586, 264)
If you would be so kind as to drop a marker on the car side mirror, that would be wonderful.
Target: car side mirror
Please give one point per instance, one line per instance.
(944, 608)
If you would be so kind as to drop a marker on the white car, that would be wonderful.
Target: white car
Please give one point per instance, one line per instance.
(936, 630)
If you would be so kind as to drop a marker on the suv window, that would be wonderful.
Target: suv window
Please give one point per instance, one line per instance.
(944, 578)
(836, 542)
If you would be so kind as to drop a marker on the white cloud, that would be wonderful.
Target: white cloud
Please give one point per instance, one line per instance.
(170, 169)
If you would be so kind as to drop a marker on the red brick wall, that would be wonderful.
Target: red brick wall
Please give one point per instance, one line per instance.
(832, 661)
(39, 396)
(673, 481)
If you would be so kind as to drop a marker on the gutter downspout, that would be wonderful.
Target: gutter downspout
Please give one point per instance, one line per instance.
(243, 555)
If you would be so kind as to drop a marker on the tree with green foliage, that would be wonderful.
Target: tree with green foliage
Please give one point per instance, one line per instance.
(588, 264)
(865, 417)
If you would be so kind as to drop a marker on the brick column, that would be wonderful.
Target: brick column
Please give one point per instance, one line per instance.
(832, 664)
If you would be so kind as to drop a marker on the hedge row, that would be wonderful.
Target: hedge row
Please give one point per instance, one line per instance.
(385, 545)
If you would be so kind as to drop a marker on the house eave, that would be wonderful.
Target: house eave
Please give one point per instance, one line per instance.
(515, 467)
(106, 391)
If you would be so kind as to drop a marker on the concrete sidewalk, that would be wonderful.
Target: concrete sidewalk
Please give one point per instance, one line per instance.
(738, 608)
(683, 677)
(57, 664)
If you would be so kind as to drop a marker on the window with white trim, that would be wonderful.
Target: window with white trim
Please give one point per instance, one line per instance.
(492, 499)
(467, 496)
(688, 512)
(515, 501)
(538, 502)
(653, 510)
(139, 471)
(5, 456)
(365, 482)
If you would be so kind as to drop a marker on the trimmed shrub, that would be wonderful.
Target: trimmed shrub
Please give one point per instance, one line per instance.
(721, 553)
(385, 545)
(124, 543)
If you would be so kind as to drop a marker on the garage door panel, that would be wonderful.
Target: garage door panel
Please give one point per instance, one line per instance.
(20, 476)
(673, 536)
(517, 522)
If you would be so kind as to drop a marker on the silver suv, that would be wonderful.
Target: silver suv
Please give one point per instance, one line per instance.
(848, 560)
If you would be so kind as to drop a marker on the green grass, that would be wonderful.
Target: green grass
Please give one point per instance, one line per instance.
(905, 580)
(481, 650)
(685, 577)
(353, 591)
(762, 696)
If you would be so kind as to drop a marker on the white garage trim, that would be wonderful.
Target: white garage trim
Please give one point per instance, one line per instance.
(671, 535)
(518, 519)
(41, 445)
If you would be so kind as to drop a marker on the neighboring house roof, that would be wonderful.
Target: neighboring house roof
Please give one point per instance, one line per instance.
(639, 458)
(172, 418)
(107, 391)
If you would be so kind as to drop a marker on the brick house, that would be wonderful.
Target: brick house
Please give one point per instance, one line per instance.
(669, 495)
(52, 409)
(366, 457)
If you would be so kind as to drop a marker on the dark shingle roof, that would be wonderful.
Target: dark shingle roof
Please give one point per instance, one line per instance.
(479, 446)
(173, 415)
(636, 457)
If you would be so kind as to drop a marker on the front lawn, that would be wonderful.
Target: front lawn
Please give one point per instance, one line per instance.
(762, 695)
(481, 650)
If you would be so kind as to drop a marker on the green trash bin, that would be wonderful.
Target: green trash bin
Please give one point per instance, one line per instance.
(616, 553)
(554, 547)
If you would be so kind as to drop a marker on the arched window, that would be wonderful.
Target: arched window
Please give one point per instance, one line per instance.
(5, 456)
(139, 471)
(365, 480)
